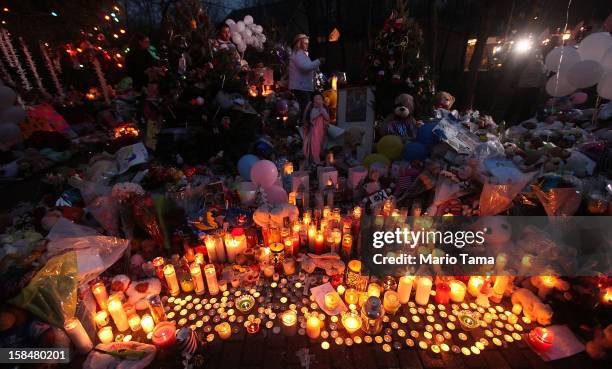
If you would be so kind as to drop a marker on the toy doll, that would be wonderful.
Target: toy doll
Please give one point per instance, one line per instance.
(316, 119)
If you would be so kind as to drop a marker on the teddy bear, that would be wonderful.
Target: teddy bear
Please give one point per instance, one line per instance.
(400, 122)
(598, 347)
(533, 307)
(544, 289)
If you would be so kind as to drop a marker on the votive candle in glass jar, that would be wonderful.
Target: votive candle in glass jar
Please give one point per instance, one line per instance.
(99, 291)
(351, 296)
(79, 337)
(442, 293)
(391, 302)
(211, 279)
(105, 334)
(224, 330)
(156, 308)
(289, 266)
(289, 322)
(147, 323)
(171, 280)
(134, 322)
(457, 291)
(277, 253)
(198, 281)
(101, 318)
(115, 308)
(313, 326)
(351, 321)
(353, 274)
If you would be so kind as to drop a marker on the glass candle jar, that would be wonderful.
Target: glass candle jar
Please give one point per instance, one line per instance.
(372, 314)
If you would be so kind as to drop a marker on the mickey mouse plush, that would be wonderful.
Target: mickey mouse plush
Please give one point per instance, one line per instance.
(400, 123)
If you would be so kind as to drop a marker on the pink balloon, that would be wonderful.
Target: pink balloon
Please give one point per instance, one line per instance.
(579, 98)
(276, 195)
(264, 173)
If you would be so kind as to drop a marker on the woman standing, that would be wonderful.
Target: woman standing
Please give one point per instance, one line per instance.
(301, 71)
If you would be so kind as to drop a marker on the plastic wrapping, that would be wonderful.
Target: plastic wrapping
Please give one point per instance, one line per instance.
(65, 228)
(105, 211)
(491, 149)
(120, 355)
(559, 201)
(496, 198)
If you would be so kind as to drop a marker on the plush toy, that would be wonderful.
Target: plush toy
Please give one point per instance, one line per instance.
(400, 123)
(138, 292)
(598, 348)
(533, 307)
(444, 100)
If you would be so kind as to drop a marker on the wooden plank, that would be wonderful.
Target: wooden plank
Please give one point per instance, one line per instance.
(253, 350)
(430, 359)
(321, 358)
(514, 357)
(384, 359)
(232, 353)
(409, 359)
(294, 345)
(363, 356)
(534, 360)
(341, 358)
(495, 360)
(272, 358)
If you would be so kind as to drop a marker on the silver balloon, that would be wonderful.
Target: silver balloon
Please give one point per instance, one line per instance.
(14, 114)
(7, 97)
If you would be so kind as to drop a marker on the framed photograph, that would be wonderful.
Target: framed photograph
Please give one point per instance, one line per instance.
(356, 110)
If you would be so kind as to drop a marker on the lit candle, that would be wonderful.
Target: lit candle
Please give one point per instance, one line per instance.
(198, 281)
(288, 168)
(457, 292)
(340, 289)
(164, 335)
(134, 322)
(606, 296)
(264, 255)
(423, 291)
(289, 266)
(541, 339)
(442, 293)
(391, 302)
(224, 330)
(99, 292)
(277, 253)
(288, 245)
(319, 243)
(351, 321)
(312, 235)
(289, 320)
(105, 334)
(357, 213)
(332, 300)
(351, 296)
(292, 198)
(211, 247)
(171, 280)
(404, 288)
(474, 285)
(101, 318)
(347, 245)
(232, 247)
(158, 263)
(353, 274)
(115, 308)
(517, 309)
(374, 290)
(268, 270)
(79, 337)
(313, 327)
(156, 308)
(499, 287)
(147, 323)
(211, 279)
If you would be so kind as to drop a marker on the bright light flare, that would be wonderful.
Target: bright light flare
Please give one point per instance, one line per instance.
(523, 45)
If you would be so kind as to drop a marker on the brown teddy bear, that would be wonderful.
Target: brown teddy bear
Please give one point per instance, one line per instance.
(401, 122)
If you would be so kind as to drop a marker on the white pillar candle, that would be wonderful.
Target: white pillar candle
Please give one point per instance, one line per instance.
(474, 285)
(404, 288)
(211, 279)
(147, 323)
(232, 247)
(211, 248)
(457, 292)
(74, 329)
(99, 292)
(105, 334)
(289, 322)
(198, 281)
(391, 302)
(423, 291)
(115, 308)
(313, 327)
(171, 280)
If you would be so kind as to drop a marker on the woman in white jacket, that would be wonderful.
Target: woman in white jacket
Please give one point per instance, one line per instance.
(301, 71)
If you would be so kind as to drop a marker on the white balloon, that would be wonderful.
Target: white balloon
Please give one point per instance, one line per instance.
(564, 55)
(241, 47)
(248, 32)
(558, 87)
(10, 135)
(236, 38)
(259, 28)
(594, 46)
(7, 97)
(606, 60)
(14, 114)
(262, 39)
(248, 19)
(604, 87)
(584, 74)
(240, 26)
(229, 22)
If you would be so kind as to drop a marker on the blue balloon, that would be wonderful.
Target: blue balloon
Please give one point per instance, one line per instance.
(426, 136)
(414, 151)
(245, 164)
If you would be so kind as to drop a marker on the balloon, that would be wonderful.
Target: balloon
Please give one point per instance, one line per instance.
(558, 88)
(7, 97)
(236, 38)
(248, 19)
(264, 173)
(276, 195)
(414, 151)
(566, 55)
(245, 164)
(229, 22)
(426, 136)
(390, 146)
(282, 107)
(248, 32)
(606, 60)
(579, 98)
(604, 87)
(10, 135)
(241, 47)
(240, 26)
(585, 73)
(259, 29)
(14, 114)
(594, 46)
(375, 158)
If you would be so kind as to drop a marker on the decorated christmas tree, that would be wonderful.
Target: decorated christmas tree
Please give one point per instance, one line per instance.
(397, 63)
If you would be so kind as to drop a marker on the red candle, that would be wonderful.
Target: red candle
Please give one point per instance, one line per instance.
(541, 338)
(164, 335)
(442, 293)
(319, 243)
(158, 263)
